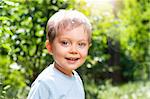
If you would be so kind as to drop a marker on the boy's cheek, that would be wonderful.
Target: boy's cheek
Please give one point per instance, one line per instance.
(84, 53)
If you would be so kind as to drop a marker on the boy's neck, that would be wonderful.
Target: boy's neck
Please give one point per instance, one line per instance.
(70, 74)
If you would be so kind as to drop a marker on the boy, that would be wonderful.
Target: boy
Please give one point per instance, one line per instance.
(68, 41)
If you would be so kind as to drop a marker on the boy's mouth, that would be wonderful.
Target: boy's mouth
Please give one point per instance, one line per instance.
(72, 59)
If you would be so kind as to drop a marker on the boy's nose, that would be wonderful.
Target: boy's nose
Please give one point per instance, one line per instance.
(73, 50)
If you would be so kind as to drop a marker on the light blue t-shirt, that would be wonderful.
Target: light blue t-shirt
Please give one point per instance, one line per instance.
(53, 84)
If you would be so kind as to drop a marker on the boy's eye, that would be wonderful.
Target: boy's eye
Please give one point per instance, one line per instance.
(65, 43)
(81, 45)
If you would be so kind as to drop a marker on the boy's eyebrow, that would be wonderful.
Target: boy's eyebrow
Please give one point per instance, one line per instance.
(66, 38)
(83, 40)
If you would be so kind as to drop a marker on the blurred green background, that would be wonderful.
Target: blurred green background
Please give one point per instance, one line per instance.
(118, 64)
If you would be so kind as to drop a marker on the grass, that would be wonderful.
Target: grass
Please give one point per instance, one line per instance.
(131, 90)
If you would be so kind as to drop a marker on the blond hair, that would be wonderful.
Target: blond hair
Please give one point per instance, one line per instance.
(66, 19)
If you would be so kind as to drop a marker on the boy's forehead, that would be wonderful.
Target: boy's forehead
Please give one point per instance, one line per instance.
(80, 28)
(77, 33)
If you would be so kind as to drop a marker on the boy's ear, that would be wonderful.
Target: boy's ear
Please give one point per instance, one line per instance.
(90, 45)
(48, 46)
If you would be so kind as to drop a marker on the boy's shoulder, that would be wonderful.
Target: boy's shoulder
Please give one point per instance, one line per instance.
(47, 75)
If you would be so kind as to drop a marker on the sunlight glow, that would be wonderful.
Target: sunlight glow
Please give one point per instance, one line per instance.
(100, 6)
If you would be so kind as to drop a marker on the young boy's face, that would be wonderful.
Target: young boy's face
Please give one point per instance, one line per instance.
(70, 49)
